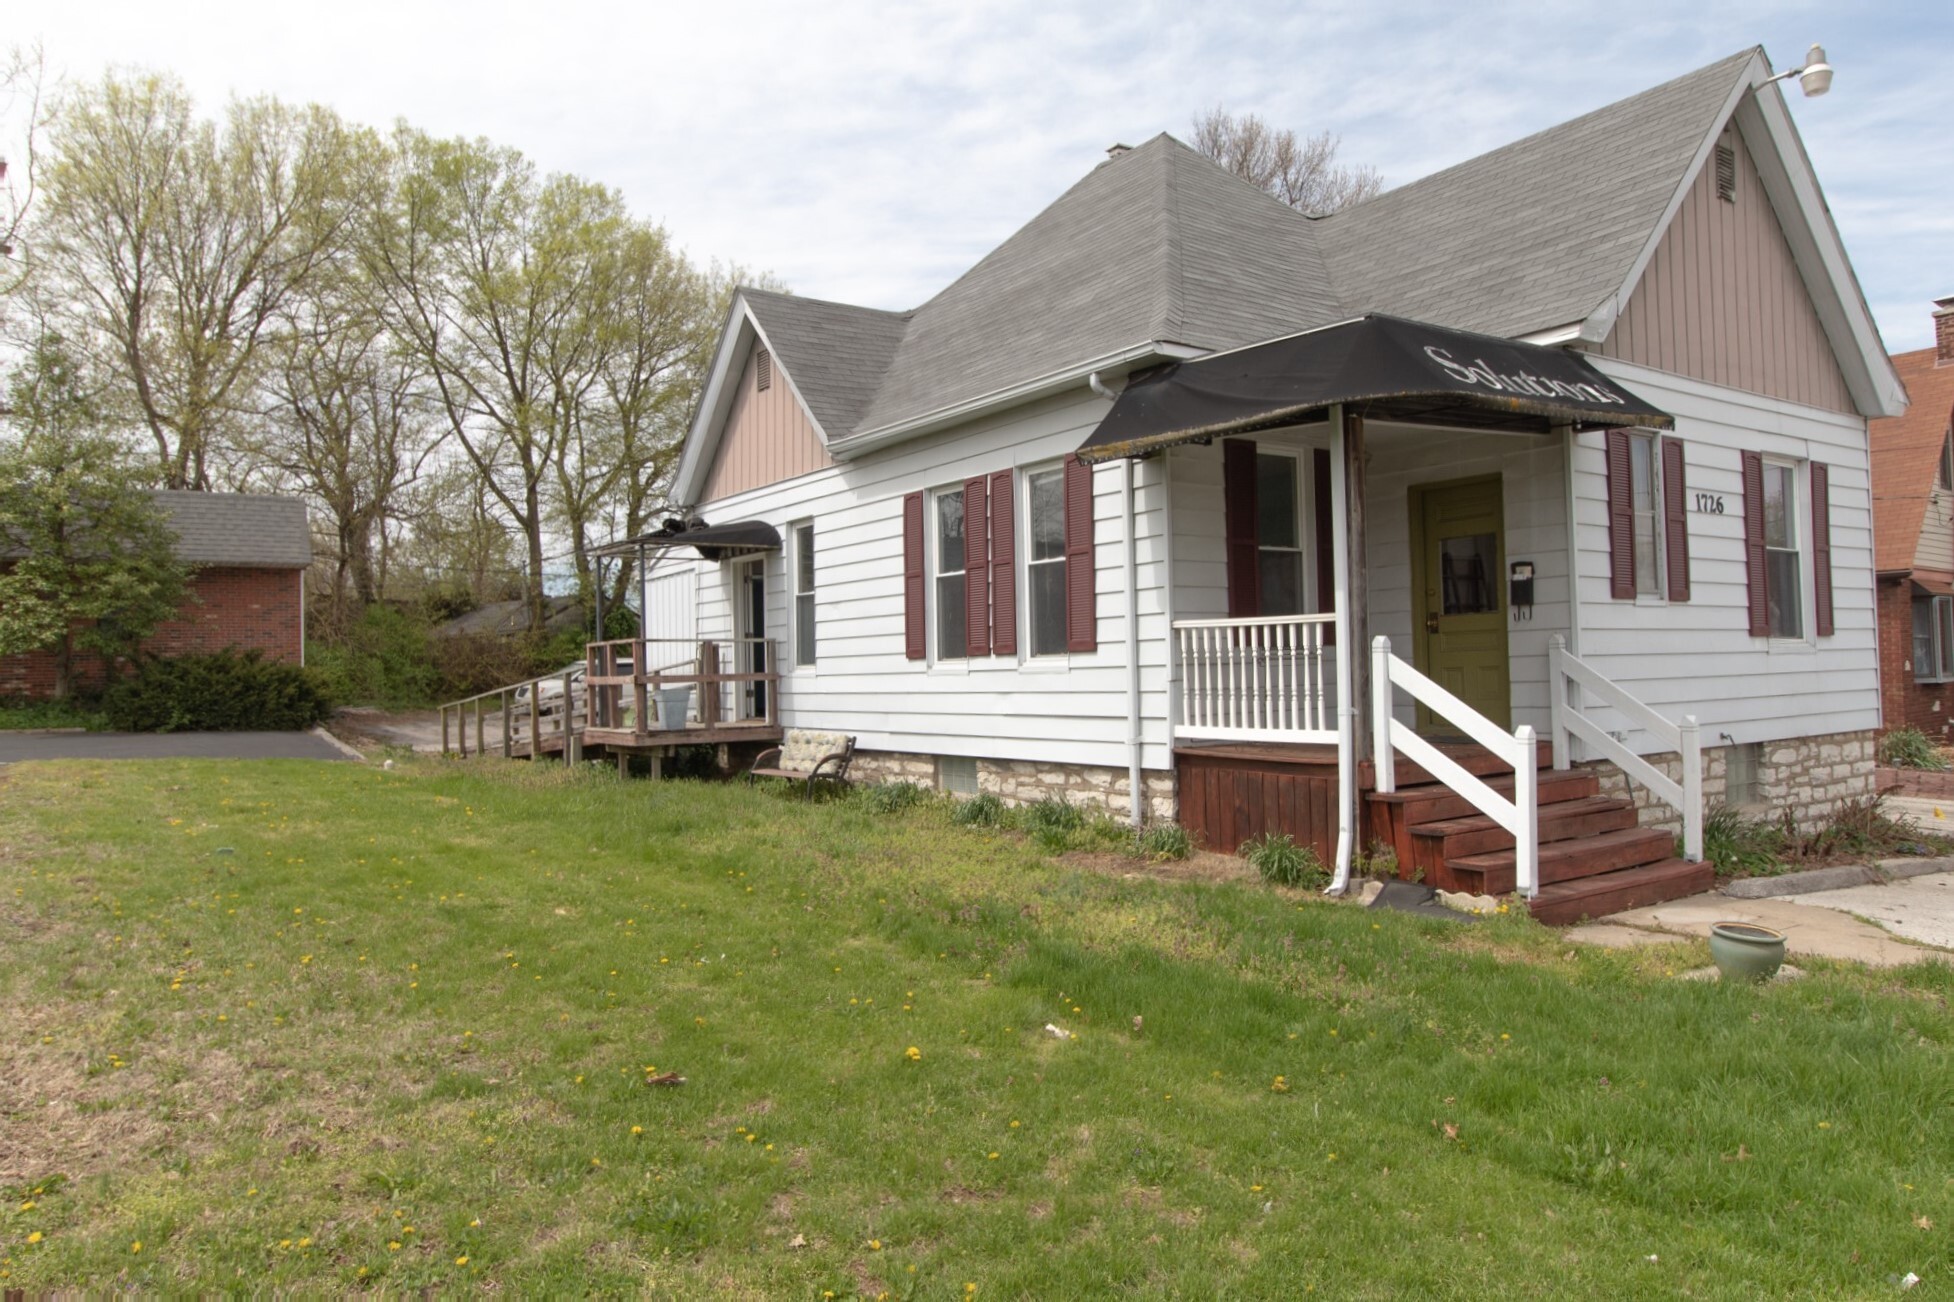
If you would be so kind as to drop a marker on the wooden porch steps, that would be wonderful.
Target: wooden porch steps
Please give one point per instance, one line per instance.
(1594, 857)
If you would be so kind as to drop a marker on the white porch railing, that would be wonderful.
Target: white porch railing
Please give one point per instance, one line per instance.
(1520, 815)
(1686, 797)
(1261, 679)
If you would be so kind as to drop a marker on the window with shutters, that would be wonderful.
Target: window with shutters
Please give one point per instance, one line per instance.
(1933, 639)
(1645, 508)
(1045, 559)
(1783, 575)
(947, 564)
(1279, 534)
(804, 594)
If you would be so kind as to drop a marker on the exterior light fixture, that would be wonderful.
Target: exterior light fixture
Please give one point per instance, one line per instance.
(1815, 78)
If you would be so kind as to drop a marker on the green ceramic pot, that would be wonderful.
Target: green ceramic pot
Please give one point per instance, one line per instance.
(1745, 951)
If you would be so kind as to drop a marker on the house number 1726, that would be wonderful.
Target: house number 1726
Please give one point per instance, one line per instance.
(1711, 502)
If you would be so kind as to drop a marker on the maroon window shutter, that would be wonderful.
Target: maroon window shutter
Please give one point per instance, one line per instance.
(1760, 590)
(1081, 583)
(1238, 522)
(1675, 520)
(976, 568)
(1004, 566)
(1822, 548)
(915, 625)
(1621, 518)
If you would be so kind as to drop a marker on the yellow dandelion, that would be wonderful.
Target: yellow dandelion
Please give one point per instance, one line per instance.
(637, 1130)
(992, 1157)
(875, 1245)
(462, 1260)
(1281, 1085)
(393, 1245)
(475, 1224)
(136, 1246)
(35, 1237)
(913, 1054)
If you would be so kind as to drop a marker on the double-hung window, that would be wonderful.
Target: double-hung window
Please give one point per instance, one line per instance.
(1045, 559)
(804, 594)
(951, 640)
(1645, 511)
(1278, 534)
(1784, 579)
(1933, 639)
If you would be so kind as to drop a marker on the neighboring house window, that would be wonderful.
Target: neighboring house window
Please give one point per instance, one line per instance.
(1045, 560)
(804, 594)
(1933, 639)
(1648, 532)
(1944, 476)
(951, 623)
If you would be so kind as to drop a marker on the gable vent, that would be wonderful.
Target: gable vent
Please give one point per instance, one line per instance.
(1726, 173)
(763, 367)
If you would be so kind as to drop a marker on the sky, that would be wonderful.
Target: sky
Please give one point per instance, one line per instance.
(870, 153)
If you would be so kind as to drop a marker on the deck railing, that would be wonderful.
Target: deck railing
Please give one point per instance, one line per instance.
(531, 718)
(1520, 815)
(1260, 679)
(689, 688)
(1686, 739)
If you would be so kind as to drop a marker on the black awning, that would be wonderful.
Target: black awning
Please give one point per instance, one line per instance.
(1385, 367)
(715, 542)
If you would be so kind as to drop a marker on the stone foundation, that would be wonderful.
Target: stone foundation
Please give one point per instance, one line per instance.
(1023, 782)
(1808, 776)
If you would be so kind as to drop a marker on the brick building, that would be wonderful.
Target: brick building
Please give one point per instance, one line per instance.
(1913, 529)
(250, 553)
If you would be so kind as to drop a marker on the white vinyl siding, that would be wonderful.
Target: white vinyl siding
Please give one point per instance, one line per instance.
(1697, 657)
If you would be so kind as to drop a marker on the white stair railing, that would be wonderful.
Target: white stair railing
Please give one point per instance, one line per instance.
(1567, 720)
(1520, 815)
(1258, 679)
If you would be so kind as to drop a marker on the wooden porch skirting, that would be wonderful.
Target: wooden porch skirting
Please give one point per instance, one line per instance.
(1233, 792)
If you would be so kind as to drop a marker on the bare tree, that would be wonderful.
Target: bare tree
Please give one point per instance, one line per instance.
(23, 81)
(177, 244)
(1302, 172)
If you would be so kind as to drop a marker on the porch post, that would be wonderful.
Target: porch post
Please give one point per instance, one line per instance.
(1358, 584)
(1347, 698)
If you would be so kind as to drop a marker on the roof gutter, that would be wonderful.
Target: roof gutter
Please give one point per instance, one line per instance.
(855, 445)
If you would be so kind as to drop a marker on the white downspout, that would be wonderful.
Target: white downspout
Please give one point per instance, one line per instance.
(1346, 704)
(1135, 782)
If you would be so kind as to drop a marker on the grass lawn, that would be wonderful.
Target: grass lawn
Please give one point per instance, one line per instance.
(324, 1027)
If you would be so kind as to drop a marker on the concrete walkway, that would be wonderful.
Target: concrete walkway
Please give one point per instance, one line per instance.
(16, 747)
(1817, 925)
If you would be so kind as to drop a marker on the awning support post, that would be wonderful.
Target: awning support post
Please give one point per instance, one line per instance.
(1341, 518)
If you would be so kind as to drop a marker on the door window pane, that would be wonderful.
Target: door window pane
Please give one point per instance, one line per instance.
(1466, 566)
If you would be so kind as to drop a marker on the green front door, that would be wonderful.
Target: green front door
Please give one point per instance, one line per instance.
(1459, 596)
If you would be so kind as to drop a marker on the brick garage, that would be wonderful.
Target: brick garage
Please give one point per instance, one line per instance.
(248, 590)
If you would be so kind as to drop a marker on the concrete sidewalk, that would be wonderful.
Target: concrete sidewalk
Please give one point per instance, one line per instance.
(19, 747)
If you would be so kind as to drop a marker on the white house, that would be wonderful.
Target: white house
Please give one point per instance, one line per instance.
(1124, 507)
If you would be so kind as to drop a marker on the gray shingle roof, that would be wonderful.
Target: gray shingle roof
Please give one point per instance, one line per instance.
(247, 530)
(1160, 244)
(834, 353)
(1536, 234)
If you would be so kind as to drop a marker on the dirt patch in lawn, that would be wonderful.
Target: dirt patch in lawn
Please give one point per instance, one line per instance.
(1201, 866)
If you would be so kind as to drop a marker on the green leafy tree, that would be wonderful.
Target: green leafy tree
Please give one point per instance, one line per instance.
(87, 559)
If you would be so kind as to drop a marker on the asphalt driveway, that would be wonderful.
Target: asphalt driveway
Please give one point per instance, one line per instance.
(18, 746)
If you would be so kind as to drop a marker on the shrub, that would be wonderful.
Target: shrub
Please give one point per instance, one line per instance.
(1743, 847)
(980, 811)
(1910, 748)
(893, 797)
(1051, 814)
(1282, 862)
(225, 692)
(1164, 841)
(382, 659)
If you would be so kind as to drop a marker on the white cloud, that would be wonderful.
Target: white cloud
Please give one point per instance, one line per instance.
(872, 152)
